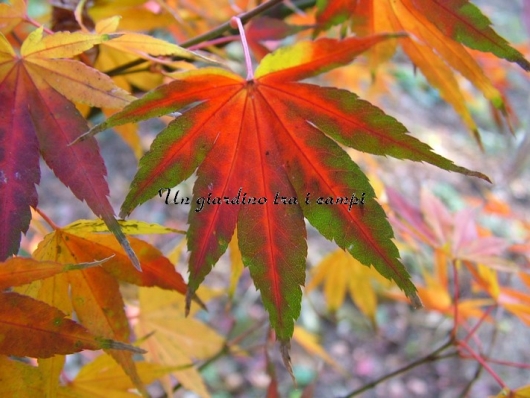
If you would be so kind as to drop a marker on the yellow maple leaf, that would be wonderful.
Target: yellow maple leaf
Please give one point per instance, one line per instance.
(11, 15)
(103, 378)
(339, 272)
(178, 340)
(46, 60)
(310, 343)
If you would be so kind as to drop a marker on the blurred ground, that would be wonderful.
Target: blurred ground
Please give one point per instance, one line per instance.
(402, 335)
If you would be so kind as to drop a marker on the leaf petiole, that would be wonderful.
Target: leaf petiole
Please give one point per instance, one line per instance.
(46, 218)
(248, 60)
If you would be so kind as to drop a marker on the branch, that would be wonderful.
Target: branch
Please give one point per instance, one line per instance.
(210, 35)
(482, 363)
(433, 356)
(244, 17)
(455, 301)
(480, 368)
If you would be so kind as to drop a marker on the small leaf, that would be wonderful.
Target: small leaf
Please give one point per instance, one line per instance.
(334, 12)
(135, 16)
(157, 269)
(19, 165)
(98, 303)
(67, 248)
(309, 342)
(108, 25)
(452, 52)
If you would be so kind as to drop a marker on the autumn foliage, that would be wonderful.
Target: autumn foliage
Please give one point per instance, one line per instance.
(268, 152)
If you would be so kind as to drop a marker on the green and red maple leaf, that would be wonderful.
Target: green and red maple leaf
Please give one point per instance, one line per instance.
(273, 135)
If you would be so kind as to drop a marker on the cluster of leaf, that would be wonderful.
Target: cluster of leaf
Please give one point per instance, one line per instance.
(456, 239)
(59, 281)
(440, 36)
(464, 270)
(266, 135)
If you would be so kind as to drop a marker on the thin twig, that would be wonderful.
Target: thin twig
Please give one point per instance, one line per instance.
(475, 377)
(480, 368)
(500, 362)
(130, 72)
(245, 17)
(455, 300)
(472, 334)
(214, 42)
(482, 362)
(433, 356)
(258, 325)
(31, 21)
(480, 321)
(119, 70)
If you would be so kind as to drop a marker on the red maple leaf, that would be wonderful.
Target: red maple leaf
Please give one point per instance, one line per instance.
(37, 118)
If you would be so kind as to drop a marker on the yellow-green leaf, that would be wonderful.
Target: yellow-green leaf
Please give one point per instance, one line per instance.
(59, 45)
(145, 46)
(130, 227)
(108, 25)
